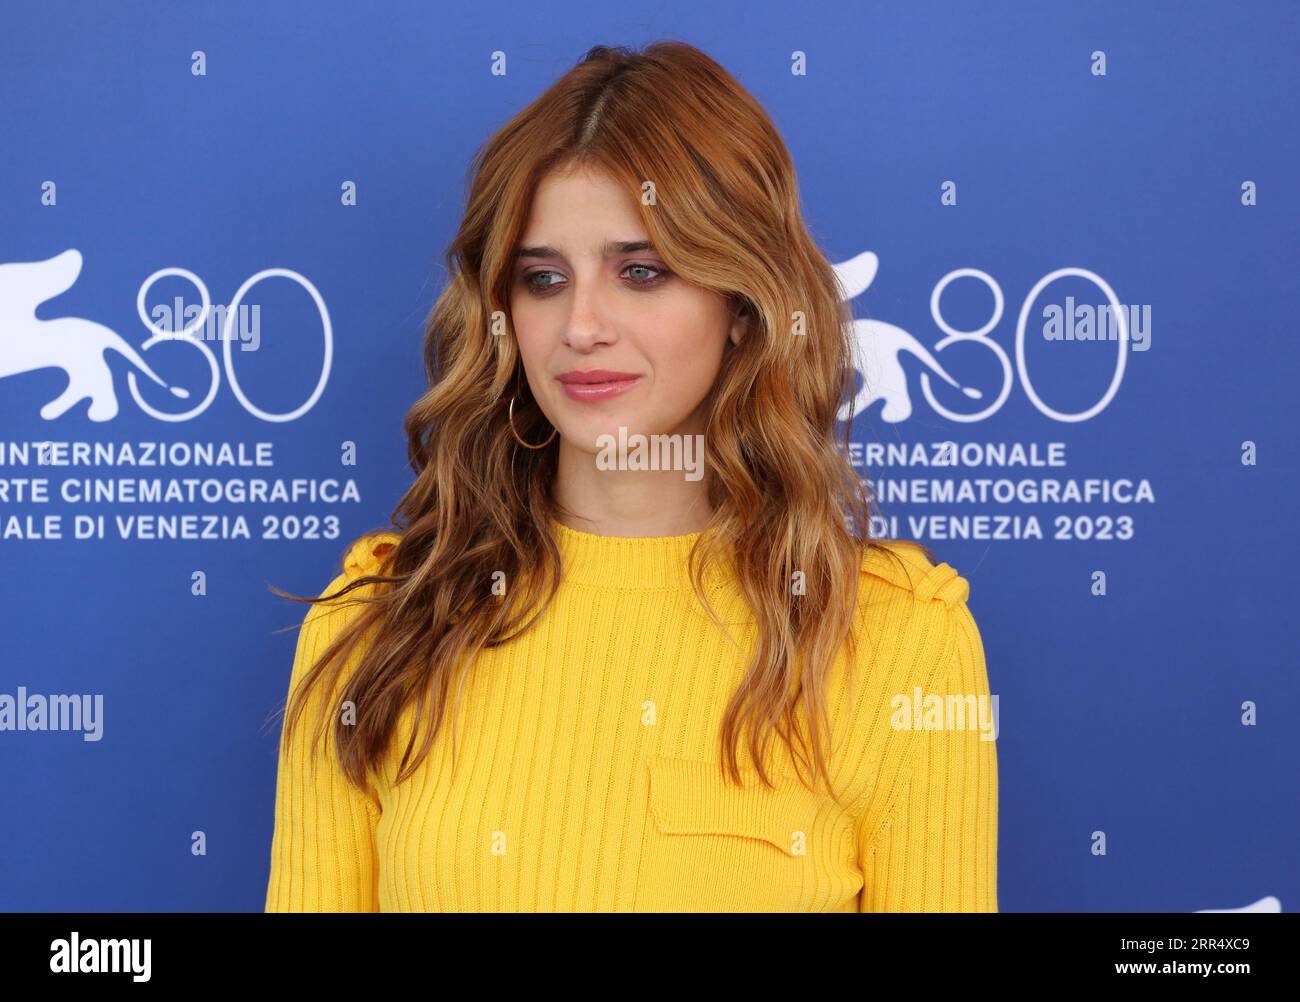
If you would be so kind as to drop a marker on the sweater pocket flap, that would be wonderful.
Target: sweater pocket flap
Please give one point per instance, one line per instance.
(690, 797)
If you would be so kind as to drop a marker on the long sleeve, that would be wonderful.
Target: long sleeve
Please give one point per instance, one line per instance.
(937, 849)
(323, 855)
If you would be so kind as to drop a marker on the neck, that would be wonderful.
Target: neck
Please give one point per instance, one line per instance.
(611, 500)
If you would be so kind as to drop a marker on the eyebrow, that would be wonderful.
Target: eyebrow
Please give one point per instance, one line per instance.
(610, 249)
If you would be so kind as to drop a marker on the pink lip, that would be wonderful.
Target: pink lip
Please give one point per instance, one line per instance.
(599, 391)
(596, 384)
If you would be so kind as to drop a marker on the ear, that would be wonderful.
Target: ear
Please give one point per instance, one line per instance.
(739, 327)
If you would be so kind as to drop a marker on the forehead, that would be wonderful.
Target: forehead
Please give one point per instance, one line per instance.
(583, 208)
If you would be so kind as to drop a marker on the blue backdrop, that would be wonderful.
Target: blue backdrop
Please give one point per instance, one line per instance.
(1141, 642)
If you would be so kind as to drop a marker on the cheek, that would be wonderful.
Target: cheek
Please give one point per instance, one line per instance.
(689, 338)
(528, 324)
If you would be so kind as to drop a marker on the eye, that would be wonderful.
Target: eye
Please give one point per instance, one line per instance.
(538, 286)
(660, 273)
(554, 280)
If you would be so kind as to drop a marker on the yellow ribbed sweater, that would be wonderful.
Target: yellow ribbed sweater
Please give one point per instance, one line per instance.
(587, 774)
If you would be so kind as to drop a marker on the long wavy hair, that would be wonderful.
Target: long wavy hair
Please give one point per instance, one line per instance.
(723, 212)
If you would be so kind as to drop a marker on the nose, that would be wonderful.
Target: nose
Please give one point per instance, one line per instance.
(588, 317)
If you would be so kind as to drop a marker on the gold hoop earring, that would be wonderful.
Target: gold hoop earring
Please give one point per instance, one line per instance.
(511, 419)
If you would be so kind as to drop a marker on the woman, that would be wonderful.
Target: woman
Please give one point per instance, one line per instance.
(582, 678)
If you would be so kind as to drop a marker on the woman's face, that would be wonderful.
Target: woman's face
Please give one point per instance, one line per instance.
(581, 299)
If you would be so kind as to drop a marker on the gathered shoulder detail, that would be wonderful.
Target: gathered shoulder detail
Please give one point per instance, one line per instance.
(903, 563)
(366, 555)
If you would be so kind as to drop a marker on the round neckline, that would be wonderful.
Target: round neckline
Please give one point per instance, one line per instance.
(579, 533)
(625, 562)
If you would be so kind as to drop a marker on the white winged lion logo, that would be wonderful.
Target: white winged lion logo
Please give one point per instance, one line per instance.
(72, 344)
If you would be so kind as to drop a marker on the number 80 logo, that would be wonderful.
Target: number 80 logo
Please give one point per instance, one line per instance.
(187, 335)
(954, 336)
